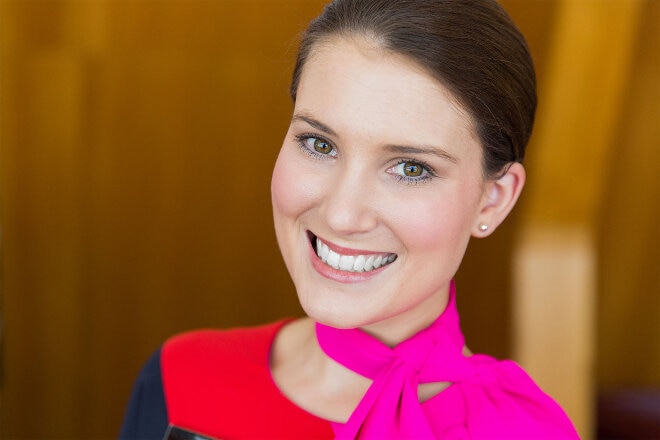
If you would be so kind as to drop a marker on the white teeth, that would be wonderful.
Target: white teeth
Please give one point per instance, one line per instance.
(333, 259)
(346, 262)
(351, 263)
(322, 250)
(369, 264)
(359, 263)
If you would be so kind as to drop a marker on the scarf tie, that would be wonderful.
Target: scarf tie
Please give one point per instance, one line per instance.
(390, 408)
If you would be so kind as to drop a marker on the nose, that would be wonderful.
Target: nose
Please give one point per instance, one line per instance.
(349, 202)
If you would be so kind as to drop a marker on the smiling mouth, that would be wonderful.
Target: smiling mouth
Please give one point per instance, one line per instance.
(350, 263)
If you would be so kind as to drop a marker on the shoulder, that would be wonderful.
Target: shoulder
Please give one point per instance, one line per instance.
(246, 343)
(146, 414)
(219, 382)
(196, 361)
(503, 401)
(210, 372)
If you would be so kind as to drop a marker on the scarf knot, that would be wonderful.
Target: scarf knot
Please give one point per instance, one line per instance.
(391, 408)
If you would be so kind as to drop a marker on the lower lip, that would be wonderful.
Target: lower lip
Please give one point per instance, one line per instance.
(341, 276)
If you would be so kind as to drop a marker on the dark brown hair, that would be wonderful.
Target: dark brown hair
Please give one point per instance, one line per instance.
(471, 46)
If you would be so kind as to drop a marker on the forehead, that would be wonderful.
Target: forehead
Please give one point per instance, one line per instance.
(353, 78)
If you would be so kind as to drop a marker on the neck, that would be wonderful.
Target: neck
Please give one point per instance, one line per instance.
(396, 329)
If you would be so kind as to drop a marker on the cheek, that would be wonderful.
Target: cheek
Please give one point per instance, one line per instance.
(291, 191)
(441, 224)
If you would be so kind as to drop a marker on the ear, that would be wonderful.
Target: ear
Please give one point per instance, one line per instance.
(499, 198)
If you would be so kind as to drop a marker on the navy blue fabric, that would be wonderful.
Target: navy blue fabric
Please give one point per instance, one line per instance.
(146, 415)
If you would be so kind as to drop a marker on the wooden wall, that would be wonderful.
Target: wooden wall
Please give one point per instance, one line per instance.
(586, 304)
(628, 234)
(136, 145)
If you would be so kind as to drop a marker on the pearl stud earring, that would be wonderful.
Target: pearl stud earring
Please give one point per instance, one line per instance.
(483, 227)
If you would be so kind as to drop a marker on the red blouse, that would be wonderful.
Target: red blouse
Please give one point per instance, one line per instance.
(218, 383)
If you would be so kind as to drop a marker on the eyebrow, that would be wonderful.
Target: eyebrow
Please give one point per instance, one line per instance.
(314, 123)
(432, 151)
(399, 149)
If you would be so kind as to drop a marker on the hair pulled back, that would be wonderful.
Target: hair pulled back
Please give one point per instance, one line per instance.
(471, 46)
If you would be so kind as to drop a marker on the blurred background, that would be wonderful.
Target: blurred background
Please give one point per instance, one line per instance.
(136, 145)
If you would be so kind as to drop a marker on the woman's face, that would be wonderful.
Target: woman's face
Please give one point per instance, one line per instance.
(380, 174)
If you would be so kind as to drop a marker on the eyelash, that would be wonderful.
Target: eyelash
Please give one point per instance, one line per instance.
(430, 173)
(302, 138)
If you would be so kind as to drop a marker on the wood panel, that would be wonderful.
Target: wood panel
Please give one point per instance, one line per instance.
(557, 253)
(582, 96)
(628, 235)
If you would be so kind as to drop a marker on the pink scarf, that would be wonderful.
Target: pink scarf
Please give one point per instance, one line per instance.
(497, 399)
(391, 408)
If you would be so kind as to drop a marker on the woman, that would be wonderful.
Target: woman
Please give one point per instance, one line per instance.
(408, 131)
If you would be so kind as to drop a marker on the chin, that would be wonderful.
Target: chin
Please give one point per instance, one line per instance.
(340, 315)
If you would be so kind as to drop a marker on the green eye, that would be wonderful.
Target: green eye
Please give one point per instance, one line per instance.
(316, 146)
(412, 172)
(322, 146)
(412, 169)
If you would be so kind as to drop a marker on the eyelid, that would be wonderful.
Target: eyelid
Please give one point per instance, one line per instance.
(303, 137)
(410, 180)
(428, 168)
